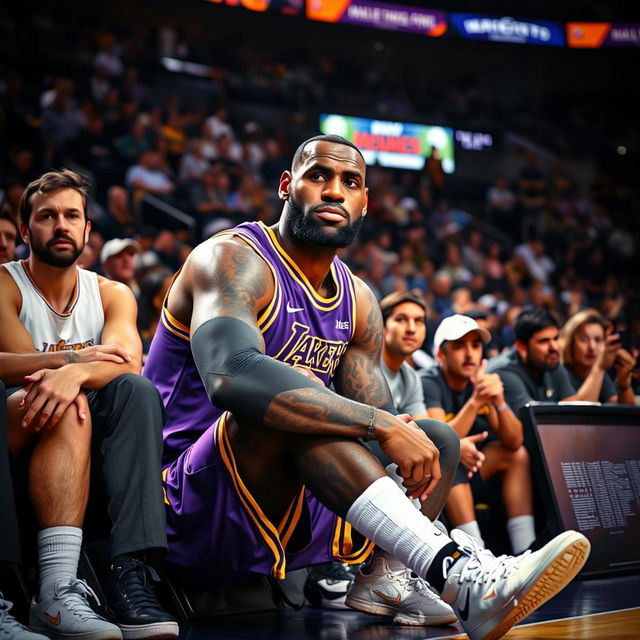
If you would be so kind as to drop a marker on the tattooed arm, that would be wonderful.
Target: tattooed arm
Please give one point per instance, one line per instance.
(360, 377)
(229, 284)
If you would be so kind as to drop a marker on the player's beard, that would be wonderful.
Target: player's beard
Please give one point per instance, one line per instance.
(305, 229)
(46, 255)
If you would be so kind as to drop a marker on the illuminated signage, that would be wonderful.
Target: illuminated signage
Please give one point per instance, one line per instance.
(506, 29)
(473, 140)
(399, 145)
(379, 15)
(592, 35)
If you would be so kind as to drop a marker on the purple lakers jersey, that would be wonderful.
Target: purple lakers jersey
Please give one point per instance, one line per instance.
(299, 328)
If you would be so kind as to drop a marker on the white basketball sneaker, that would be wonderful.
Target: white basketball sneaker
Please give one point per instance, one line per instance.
(65, 614)
(387, 588)
(491, 594)
(10, 628)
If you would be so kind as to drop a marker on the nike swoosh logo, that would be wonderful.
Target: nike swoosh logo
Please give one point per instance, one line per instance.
(291, 309)
(387, 598)
(464, 612)
(53, 620)
(493, 594)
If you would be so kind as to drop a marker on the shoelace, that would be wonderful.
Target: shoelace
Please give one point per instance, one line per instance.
(135, 581)
(7, 621)
(420, 585)
(75, 596)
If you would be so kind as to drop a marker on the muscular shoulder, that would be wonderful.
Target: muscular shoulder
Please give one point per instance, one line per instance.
(9, 291)
(368, 316)
(228, 269)
(112, 292)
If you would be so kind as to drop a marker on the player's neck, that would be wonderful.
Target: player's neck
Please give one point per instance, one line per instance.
(314, 261)
(57, 285)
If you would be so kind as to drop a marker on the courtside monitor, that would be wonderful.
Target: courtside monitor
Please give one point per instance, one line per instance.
(590, 479)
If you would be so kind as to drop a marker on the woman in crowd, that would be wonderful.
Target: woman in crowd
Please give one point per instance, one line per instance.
(587, 341)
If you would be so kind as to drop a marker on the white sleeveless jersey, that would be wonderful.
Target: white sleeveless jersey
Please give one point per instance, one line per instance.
(80, 327)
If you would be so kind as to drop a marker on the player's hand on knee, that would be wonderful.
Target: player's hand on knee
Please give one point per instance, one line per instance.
(418, 459)
(49, 394)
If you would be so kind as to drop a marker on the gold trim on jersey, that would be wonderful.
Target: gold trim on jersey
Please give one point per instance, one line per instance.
(354, 306)
(319, 302)
(263, 525)
(174, 326)
(267, 317)
(342, 545)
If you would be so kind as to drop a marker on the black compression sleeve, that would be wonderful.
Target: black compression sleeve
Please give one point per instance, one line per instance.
(237, 376)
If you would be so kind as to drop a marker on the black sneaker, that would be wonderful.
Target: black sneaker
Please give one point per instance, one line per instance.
(327, 584)
(132, 603)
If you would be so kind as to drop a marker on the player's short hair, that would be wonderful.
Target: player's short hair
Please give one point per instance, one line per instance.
(531, 321)
(570, 328)
(390, 302)
(325, 137)
(53, 181)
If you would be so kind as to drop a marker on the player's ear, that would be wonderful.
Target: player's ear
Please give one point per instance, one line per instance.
(283, 186)
(87, 230)
(24, 232)
(366, 201)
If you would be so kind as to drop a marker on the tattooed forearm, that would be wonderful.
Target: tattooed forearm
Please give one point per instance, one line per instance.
(70, 357)
(321, 412)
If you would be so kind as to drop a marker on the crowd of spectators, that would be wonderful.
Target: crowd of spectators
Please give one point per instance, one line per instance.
(538, 240)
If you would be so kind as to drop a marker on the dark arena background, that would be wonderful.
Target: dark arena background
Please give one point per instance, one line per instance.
(503, 147)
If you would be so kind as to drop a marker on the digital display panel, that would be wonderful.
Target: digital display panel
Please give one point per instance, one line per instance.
(400, 145)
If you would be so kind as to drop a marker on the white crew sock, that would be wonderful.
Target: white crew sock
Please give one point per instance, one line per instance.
(522, 532)
(393, 471)
(58, 555)
(473, 529)
(384, 515)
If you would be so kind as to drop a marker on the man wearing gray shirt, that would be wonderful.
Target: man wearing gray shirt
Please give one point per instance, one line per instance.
(404, 316)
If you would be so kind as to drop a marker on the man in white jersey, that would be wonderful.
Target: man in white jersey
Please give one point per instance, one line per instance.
(81, 421)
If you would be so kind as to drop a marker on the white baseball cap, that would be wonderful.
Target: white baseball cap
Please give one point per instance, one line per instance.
(116, 246)
(455, 327)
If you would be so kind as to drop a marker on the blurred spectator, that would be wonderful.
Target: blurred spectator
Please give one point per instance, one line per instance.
(8, 237)
(153, 289)
(138, 141)
(453, 266)
(538, 265)
(532, 186)
(118, 262)
(587, 345)
(12, 195)
(501, 202)
(119, 221)
(216, 125)
(193, 163)
(148, 177)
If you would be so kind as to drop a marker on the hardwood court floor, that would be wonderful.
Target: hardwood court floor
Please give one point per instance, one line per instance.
(602, 609)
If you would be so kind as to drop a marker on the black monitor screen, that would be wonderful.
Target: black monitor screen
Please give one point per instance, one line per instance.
(592, 460)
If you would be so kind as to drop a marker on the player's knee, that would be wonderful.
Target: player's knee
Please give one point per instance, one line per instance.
(136, 386)
(445, 439)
